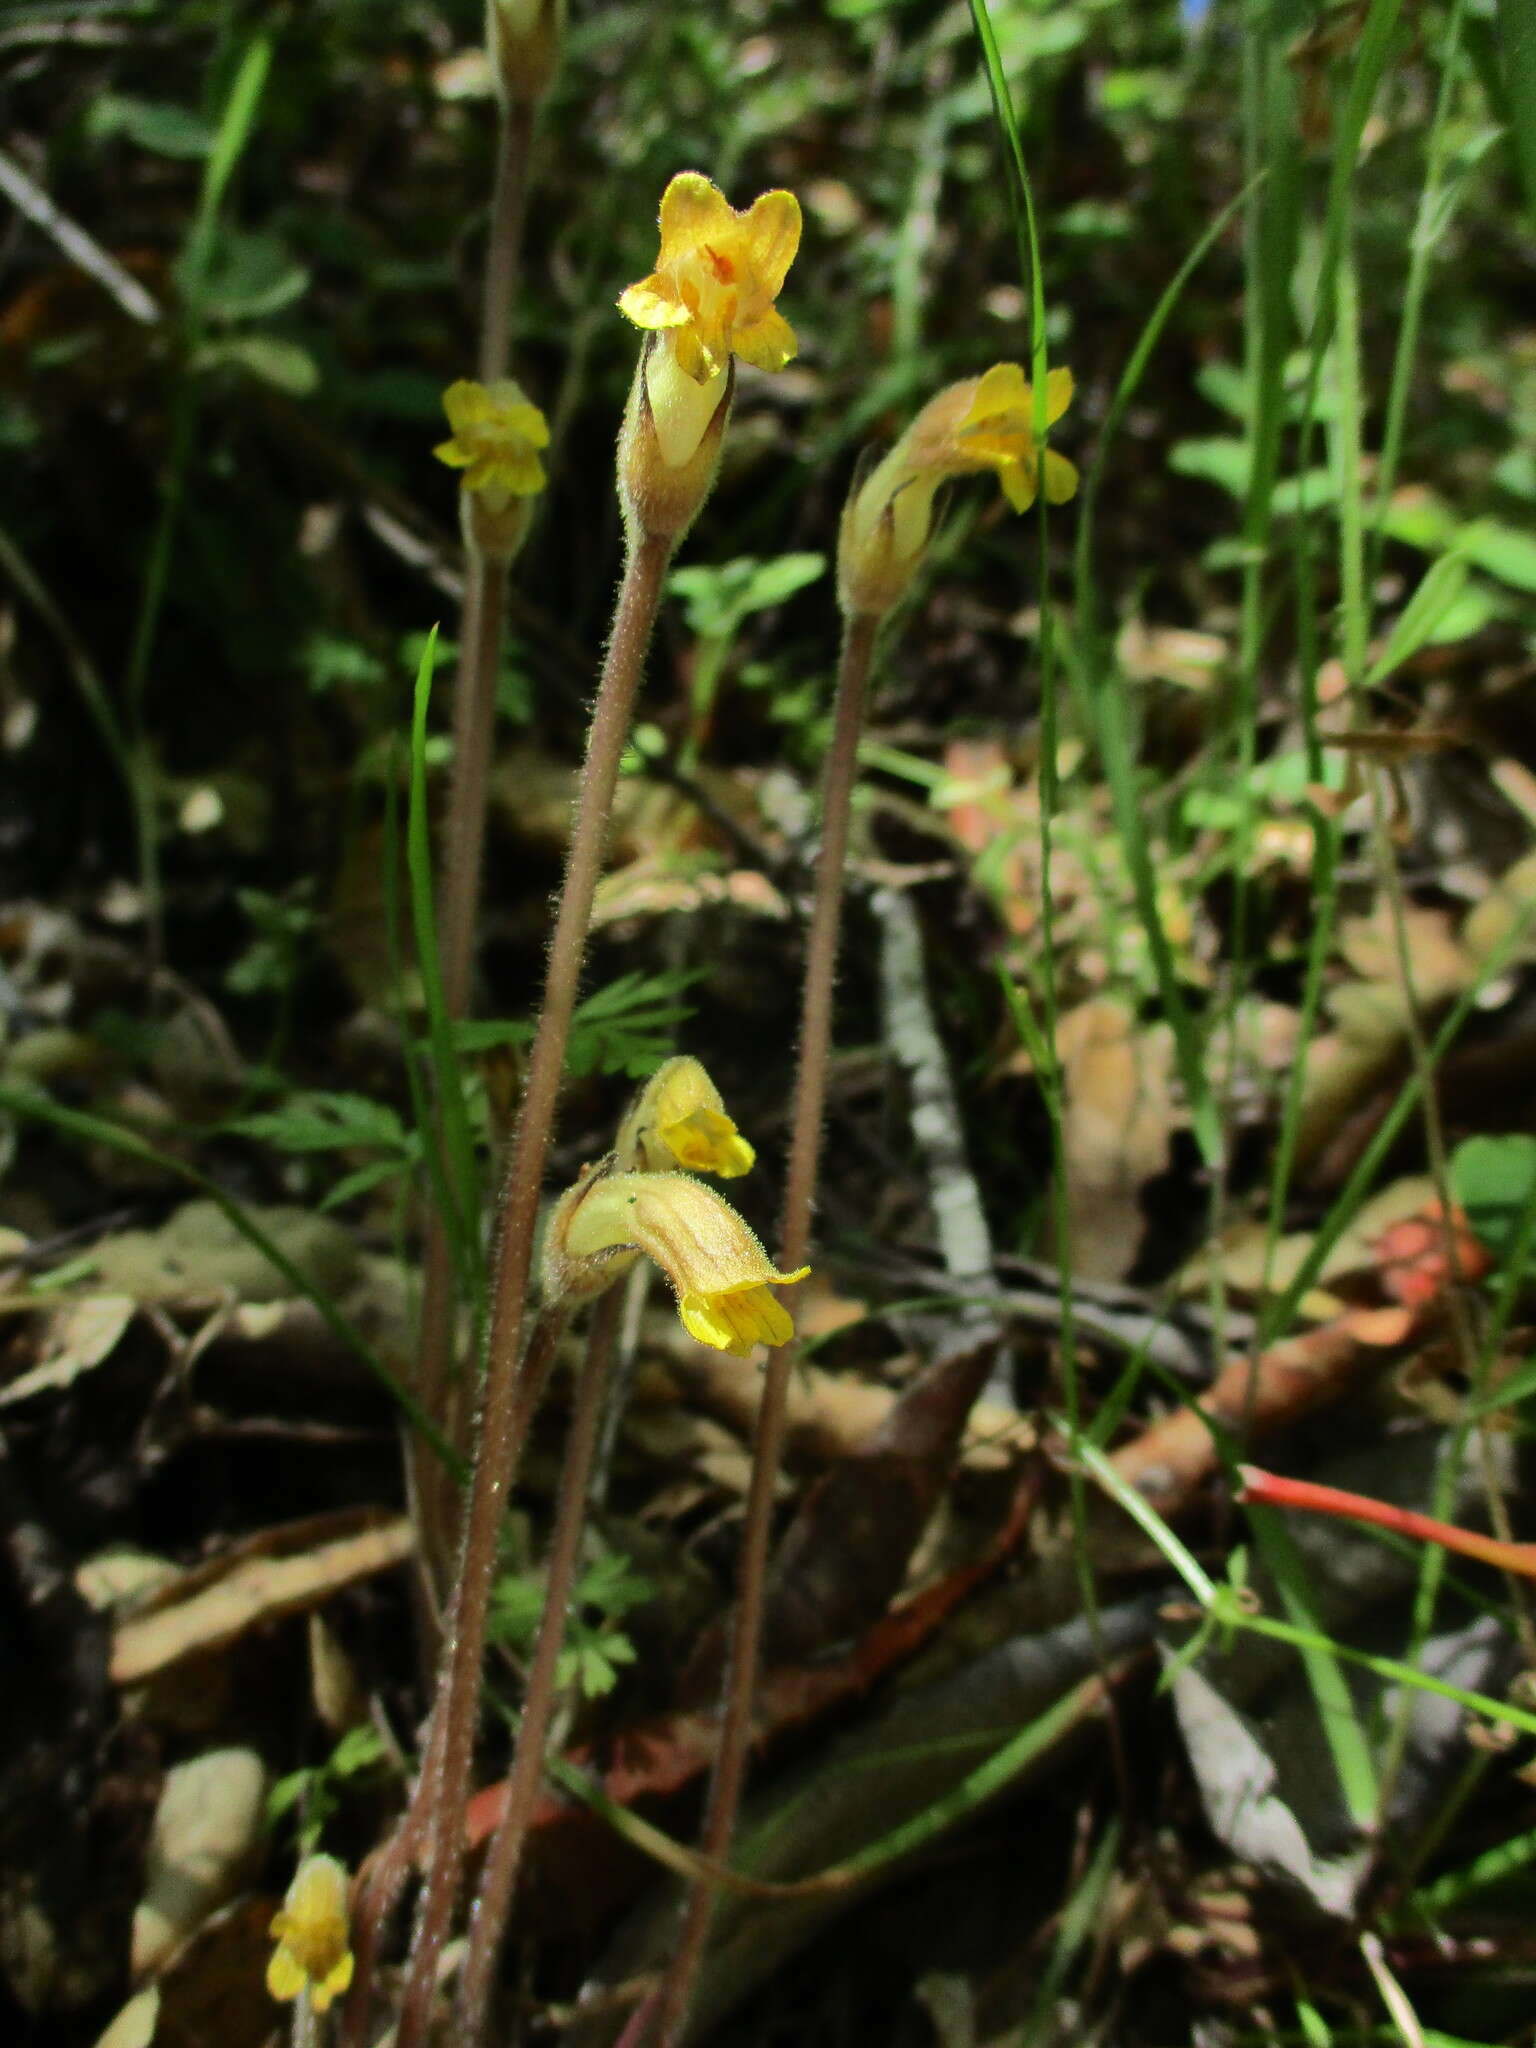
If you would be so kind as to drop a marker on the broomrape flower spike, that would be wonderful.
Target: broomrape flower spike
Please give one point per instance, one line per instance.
(497, 435)
(709, 300)
(679, 1119)
(716, 278)
(981, 423)
(312, 1956)
(719, 1272)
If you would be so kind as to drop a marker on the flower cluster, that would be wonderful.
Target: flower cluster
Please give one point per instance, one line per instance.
(981, 423)
(709, 300)
(636, 1202)
(497, 436)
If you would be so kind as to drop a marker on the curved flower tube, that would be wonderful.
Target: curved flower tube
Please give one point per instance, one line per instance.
(981, 423)
(719, 1272)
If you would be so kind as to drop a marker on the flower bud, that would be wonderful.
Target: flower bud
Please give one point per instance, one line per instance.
(523, 40)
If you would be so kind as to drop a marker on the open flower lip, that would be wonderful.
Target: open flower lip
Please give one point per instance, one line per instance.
(998, 433)
(679, 1119)
(497, 435)
(718, 273)
(312, 1955)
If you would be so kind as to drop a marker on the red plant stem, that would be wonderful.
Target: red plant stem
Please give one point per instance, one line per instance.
(1268, 1489)
(379, 1892)
(492, 1908)
(459, 1680)
(799, 1200)
(463, 845)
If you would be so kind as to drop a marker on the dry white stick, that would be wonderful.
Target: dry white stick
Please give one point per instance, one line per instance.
(965, 1242)
(29, 198)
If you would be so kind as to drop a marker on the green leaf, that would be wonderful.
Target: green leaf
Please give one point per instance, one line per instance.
(1219, 459)
(627, 1028)
(249, 277)
(358, 1183)
(358, 1750)
(1504, 551)
(717, 597)
(1493, 1180)
(159, 126)
(322, 1122)
(282, 364)
(1422, 616)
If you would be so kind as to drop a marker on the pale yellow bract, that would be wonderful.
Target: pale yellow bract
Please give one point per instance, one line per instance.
(312, 1953)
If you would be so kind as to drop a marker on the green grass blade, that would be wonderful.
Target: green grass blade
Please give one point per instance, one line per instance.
(1515, 22)
(461, 1169)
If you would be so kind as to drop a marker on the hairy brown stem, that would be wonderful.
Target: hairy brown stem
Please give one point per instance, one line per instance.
(488, 1920)
(794, 1240)
(380, 1890)
(463, 845)
(509, 200)
(459, 1680)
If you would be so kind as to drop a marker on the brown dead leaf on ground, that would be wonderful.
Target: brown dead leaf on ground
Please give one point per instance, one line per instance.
(846, 1553)
(831, 1415)
(79, 1336)
(279, 1573)
(1118, 1120)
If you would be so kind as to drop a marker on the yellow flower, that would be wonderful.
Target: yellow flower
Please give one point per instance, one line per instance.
(717, 276)
(998, 432)
(709, 299)
(719, 1272)
(312, 1954)
(496, 438)
(985, 422)
(679, 1119)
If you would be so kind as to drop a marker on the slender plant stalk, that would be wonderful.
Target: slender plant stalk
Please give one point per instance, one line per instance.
(459, 1679)
(474, 724)
(794, 1239)
(488, 1922)
(509, 201)
(379, 1890)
